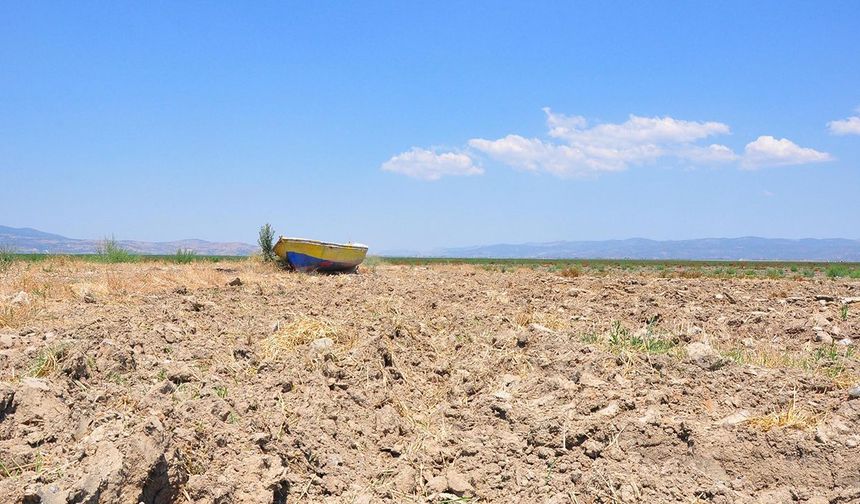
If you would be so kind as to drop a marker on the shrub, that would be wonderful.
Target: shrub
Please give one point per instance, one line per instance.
(184, 256)
(266, 240)
(110, 251)
(7, 255)
(837, 270)
(571, 272)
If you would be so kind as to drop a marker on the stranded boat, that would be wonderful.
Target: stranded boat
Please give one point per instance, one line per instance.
(313, 255)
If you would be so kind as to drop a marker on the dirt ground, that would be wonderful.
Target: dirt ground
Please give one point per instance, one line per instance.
(235, 382)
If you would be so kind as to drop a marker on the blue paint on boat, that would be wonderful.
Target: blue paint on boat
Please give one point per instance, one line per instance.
(304, 262)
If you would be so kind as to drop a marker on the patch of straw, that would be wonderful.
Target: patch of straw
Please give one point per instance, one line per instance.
(789, 417)
(300, 331)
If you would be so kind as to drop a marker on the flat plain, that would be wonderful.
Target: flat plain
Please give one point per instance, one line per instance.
(422, 381)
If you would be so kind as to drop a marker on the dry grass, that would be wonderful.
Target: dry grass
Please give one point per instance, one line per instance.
(620, 340)
(572, 272)
(300, 331)
(789, 417)
(826, 362)
(15, 316)
(553, 321)
(48, 361)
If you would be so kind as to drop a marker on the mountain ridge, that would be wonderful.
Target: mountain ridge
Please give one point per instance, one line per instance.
(753, 248)
(29, 240)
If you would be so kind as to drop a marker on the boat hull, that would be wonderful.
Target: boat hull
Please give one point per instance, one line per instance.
(312, 255)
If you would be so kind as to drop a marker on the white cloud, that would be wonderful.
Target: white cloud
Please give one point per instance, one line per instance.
(429, 165)
(714, 153)
(635, 131)
(533, 154)
(769, 151)
(580, 150)
(848, 126)
(573, 148)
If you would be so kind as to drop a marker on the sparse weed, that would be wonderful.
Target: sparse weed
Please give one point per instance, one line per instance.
(118, 379)
(47, 361)
(7, 256)
(266, 241)
(110, 251)
(690, 273)
(371, 262)
(826, 362)
(13, 469)
(619, 340)
(775, 273)
(16, 315)
(843, 312)
(571, 272)
(837, 271)
(184, 256)
(221, 392)
(789, 417)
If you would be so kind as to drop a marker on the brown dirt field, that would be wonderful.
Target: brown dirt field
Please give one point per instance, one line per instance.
(162, 383)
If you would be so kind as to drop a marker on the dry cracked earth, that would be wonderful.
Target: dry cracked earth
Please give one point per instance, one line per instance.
(239, 383)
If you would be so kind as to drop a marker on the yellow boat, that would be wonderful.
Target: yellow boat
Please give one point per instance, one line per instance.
(313, 255)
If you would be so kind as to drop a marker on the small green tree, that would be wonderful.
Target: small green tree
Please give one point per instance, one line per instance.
(266, 241)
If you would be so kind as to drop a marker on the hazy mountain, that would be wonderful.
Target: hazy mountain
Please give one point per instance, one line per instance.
(27, 240)
(749, 248)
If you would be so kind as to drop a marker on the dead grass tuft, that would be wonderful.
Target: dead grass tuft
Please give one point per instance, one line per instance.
(826, 362)
(572, 272)
(300, 331)
(17, 315)
(789, 417)
(48, 361)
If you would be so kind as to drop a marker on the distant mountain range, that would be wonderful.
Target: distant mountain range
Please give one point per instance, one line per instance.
(747, 248)
(27, 240)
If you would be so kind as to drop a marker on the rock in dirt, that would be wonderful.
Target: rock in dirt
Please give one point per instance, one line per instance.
(450, 482)
(522, 340)
(7, 396)
(735, 418)
(75, 366)
(322, 344)
(540, 328)
(51, 494)
(702, 355)
(845, 342)
(823, 337)
(776, 496)
(404, 481)
(236, 282)
(818, 320)
(502, 395)
(179, 372)
(853, 393)
(21, 298)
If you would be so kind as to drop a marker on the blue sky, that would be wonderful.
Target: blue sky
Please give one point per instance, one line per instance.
(411, 125)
